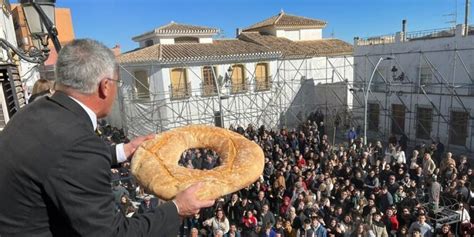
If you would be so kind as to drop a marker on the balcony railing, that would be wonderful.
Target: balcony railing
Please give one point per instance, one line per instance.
(383, 39)
(180, 92)
(236, 88)
(409, 36)
(208, 90)
(431, 34)
(263, 83)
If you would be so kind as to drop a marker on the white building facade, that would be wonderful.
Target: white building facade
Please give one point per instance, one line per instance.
(11, 92)
(269, 75)
(424, 87)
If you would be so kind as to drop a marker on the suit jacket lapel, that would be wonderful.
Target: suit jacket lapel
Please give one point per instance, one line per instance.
(63, 100)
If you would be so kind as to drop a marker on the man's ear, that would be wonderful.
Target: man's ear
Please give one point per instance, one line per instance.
(104, 88)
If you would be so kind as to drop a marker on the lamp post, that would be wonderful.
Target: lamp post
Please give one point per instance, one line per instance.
(366, 96)
(219, 92)
(39, 15)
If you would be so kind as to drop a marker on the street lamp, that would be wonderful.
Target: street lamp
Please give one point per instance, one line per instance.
(219, 92)
(366, 96)
(39, 15)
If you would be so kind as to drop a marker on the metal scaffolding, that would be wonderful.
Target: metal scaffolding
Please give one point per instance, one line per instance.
(444, 93)
(289, 100)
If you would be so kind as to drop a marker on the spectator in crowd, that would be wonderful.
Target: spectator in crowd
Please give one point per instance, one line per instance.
(194, 232)
(267, 217)
(305, 230)
(351, 135)
(421, 226)
(318, 229)
(249, 225)
(344, 186)
(148, 205)
(126, 207)
(448, 161)
(218, 222)
(385, 199)
(41, 88)
(445, 231)
(391, 222)
(400, 157)
(118, 191)
(463, 165)
(233, 231)
(268, 231)
(429, 165)
(439, 150)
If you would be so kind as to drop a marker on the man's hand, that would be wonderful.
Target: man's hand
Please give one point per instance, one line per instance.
(132, 146)
(187, 202)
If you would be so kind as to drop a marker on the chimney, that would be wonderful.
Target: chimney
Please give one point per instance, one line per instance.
(466, 18)
(404, 30)
(116, 50)
(238, 31)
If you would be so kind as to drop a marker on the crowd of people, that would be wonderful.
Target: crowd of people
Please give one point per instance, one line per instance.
(312, 188)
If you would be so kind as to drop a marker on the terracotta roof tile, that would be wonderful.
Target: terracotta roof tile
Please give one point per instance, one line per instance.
(176, 52)
(287, 20)
(292, 49)
(177, 28)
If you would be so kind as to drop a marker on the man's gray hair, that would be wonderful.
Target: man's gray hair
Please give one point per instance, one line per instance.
(83, 63)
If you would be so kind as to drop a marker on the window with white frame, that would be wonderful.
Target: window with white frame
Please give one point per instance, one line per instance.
(425, 78)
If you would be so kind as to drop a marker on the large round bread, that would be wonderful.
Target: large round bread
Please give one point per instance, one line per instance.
(155, 163)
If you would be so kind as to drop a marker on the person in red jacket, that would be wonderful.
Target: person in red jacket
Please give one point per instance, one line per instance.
(391, 222)
(249, 224)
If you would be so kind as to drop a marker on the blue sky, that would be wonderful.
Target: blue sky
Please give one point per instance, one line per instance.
(117, 21)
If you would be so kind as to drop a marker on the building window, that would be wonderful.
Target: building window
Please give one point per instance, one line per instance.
(180, 87)
(426, 78)
(398, 119)
(262, 80)
(238, 79)
(424, 119)
(209, 87)
(458, 128)
(148, 43)
(373, 111)
(142, 84)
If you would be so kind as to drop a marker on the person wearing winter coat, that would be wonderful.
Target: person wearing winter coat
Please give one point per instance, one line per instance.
(377, 226)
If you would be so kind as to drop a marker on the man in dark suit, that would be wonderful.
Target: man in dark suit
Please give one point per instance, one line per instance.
(55, 172)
